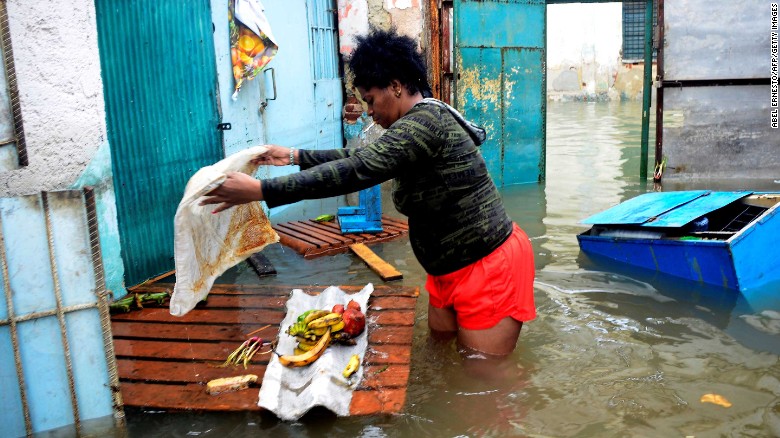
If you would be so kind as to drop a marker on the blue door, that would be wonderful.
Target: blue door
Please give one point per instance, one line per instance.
(500, 83)
(159, 80)
(303, 88)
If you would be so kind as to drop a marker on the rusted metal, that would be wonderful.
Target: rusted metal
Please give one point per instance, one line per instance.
(165, 361)
(103, 297)
(12, 320)
(13, 89)
(314, 239)
(434, 29)
(659, 92)
(60, 312)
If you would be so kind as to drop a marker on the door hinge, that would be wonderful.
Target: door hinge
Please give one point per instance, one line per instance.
(224, 126)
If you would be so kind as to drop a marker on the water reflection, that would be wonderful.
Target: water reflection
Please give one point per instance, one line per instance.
(613, 352)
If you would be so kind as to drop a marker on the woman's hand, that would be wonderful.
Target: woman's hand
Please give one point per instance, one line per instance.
(275, 156)
(238, 188)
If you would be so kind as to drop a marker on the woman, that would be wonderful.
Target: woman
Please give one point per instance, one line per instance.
(479, 263)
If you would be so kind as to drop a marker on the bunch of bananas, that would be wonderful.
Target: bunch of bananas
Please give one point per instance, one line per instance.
(315, 330)
(311, 325)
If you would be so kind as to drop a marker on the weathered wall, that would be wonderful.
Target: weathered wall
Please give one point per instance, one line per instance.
(60, 90)
(355, 18)
(584, 43)
(61, 93)
(711, 129)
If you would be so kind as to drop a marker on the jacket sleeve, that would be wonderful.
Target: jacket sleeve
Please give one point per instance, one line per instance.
(408, 143)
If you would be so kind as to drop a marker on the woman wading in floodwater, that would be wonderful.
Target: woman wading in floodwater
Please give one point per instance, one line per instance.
(479, 263)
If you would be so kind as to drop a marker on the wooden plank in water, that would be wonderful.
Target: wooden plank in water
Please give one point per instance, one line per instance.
(164, 362)
(381, 267)
(314, 239)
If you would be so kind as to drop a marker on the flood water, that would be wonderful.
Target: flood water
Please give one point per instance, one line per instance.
(612, 353)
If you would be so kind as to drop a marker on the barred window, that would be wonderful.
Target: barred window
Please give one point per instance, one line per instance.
(634, 30)
(323, 32)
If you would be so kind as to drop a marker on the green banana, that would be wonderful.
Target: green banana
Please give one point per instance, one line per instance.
(303, 315)
(324, 218)
(327, 320)
(296, 329)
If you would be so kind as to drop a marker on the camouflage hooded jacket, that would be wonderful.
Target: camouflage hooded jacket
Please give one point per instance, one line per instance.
(440, 181)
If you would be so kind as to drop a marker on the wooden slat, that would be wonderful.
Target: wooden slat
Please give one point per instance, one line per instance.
(285, 291)
(385, 270)
(314, 239)
(158, 371)
(165, 361)
(191, 396)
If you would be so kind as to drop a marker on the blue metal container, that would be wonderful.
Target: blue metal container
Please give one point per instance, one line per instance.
(719, 238)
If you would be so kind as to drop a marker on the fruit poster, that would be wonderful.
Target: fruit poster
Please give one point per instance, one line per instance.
(252, 44)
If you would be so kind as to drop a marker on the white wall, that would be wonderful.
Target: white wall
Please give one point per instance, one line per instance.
(60, 89)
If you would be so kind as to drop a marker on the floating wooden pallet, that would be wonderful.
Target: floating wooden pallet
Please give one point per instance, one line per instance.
(313, 239)
(164, 361)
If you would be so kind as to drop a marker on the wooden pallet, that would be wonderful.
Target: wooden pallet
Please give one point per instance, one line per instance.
(164, 361)
(314, 239)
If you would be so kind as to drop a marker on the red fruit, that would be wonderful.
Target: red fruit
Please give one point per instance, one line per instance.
(352, 304)
(338, 308)
(354, 322)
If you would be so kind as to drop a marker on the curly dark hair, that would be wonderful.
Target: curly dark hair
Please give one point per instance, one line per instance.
(383, 55)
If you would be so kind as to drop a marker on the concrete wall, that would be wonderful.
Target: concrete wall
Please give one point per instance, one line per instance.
(60, 89)
(61, 93)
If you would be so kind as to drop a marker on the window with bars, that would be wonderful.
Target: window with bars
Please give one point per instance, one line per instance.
(323, 33)
(634, 30)
(13, 151)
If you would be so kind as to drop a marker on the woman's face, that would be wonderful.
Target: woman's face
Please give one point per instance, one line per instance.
(383, 104)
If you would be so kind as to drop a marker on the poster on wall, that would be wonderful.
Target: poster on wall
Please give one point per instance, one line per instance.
(252, 43)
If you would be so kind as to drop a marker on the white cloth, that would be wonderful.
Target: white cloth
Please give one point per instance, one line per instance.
(206, 244)
(291, 392)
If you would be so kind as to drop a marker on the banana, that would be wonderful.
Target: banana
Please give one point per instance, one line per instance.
(314, 315)
(352, 366)
(303, 315)
(300, 360)
(325, 321)
(304, 347)
(337, 327)
(316, 333)
(340, 336)
(298, 351)
(307, 340)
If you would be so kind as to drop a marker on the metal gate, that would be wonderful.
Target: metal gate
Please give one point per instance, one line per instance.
(159, 80)
(500, 83)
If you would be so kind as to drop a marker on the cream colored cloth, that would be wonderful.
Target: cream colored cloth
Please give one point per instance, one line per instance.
(206, 244)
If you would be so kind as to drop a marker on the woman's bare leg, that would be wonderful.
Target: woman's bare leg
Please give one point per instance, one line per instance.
(442, 323)
(499, 340)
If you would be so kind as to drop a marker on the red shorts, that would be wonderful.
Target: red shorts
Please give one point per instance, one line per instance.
(492, 288)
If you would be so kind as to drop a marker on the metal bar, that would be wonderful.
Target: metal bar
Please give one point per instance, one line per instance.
(45, 313)
(103, 296)
(61, 313)
(9, 302)
(714, 82)
(647, 89)
(13, 90)
(659, 93)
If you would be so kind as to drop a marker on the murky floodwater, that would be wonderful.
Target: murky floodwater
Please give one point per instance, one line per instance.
(612, 352)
